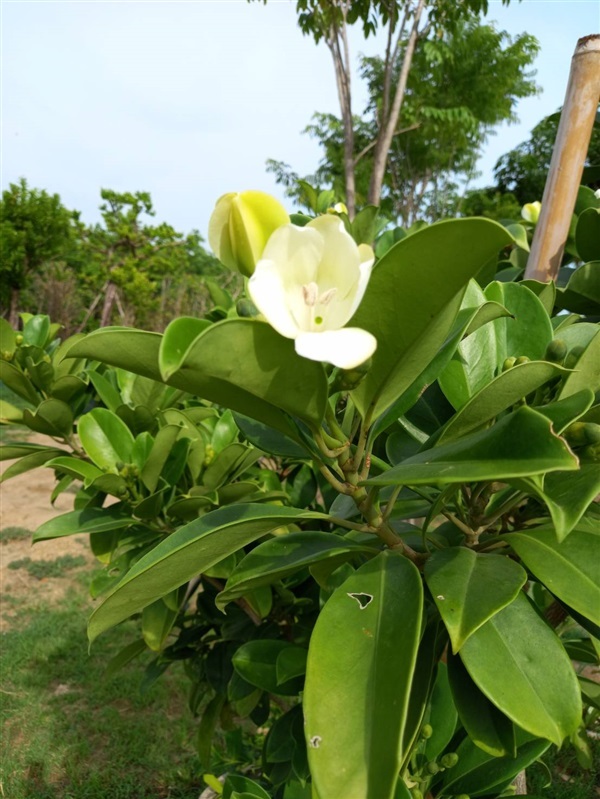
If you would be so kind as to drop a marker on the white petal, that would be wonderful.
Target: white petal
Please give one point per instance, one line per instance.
(268, 294)
(346, 348)
(340, 257)
(365, 274)
(296, 251)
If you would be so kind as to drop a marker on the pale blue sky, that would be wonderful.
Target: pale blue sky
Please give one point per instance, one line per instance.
(188, 99)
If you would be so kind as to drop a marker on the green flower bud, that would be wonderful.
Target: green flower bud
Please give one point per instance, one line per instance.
(18, 339)
(556, 351)
(449, 760)
(576, 435)
(432, 767)
(426, 731)
(347, 379)
(592, 433)
(246, 308)
(508, 364)
(531, 212)
(573, 356)
(590, 454)
(462, 796)
(240, 227)
(521, 360)
(6, 355)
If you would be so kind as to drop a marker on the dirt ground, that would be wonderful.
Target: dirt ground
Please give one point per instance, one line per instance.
(25, 502)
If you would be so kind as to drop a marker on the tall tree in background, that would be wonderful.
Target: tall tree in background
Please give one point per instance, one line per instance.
(35, 229)
(127, 258)
(407, 23)
(460, 86)
(523, 170)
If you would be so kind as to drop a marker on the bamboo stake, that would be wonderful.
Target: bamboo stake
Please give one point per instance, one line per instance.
(568, 158)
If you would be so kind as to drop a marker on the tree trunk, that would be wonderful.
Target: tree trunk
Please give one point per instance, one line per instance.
(386, 133)
(13, 314)
(109, 300)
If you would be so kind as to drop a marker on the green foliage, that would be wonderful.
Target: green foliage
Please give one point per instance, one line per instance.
(35, 229)
(460, 86)
(309, 542)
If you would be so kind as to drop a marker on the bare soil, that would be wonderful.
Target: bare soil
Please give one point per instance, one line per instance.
(25, 502)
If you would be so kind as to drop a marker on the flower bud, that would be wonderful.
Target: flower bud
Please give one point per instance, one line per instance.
(449, 760)
(426, 731)
(508, 363)
(531, 212)
(18, 339)
(246, 308)
(240, 227)
(556, 351)
(432, 767)
(521, 360)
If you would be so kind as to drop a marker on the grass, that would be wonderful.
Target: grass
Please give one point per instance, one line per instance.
(14, 534)
(580, 784)
(70, 734)
(42, 569)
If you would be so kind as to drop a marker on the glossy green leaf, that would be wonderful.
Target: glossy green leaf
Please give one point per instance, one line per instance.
(8, 337)
(19, 449)
(267, 439)
(290, 663)
(518, 445)
(442, 715)
(411, 325)
(284, 555)
(256, 662)
(238, 783)
(75, 467)
(570, 569)
(360, 668)
(247, 366)
(187, 552)
(159, 454)
(206, 729)
(106, 391)
(14, 378)
(582, 293)
(567, 496)
(157, 622)
(564, 412)
(36, 330)
(502, 393)
(545, 292)
(469, 588)
(469, 320)
(52, 417)
(176, 341)
(478, 773)
(229, 464)
(89, 520)
(39, 457)
(106, 439)
(9, 413)
(486, 726)
(586, 372)
(587, 234)
(517, 661)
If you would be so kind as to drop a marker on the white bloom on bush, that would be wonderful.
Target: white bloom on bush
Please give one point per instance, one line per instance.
(308, 284)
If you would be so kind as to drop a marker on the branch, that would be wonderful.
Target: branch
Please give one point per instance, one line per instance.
(372, 144)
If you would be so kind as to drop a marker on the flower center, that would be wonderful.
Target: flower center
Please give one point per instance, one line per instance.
(317, 303)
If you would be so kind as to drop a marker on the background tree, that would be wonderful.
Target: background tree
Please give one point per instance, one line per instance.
(407, 23)
(35, 229)
(131, 264)
(460, 86)
(523, 170)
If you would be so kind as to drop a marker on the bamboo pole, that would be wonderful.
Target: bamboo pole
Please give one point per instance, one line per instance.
(568, 158)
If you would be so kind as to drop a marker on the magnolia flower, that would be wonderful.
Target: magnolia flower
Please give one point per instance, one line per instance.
(531, 211)
(308, 284)
(240, 227)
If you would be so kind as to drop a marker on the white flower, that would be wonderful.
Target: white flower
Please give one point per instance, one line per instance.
(308, 284)
(531, 212)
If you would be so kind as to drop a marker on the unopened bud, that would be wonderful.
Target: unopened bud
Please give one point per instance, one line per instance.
(531, 212)
(508, 364)
(432, 767)
(556, 351)
(449, 760)
(521, 360)
(246, 308)
(240, 227)
(18, 339)
(426, 731)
